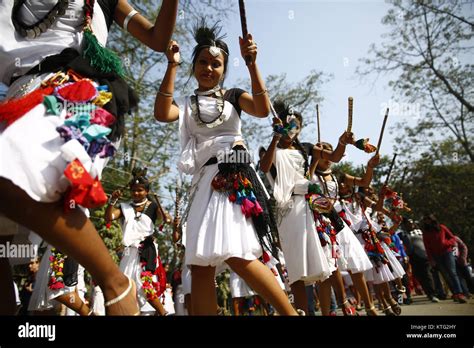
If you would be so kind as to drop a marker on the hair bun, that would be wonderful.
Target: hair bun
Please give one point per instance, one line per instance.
(205, 35)
(139, 172)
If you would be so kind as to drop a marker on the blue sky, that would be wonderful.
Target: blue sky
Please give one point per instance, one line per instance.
(297, 36)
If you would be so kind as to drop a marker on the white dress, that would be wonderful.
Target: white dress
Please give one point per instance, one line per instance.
(42, 296)
(304, 256)
(216, 229)
(380, 273)
(238, 287)
(32, 154)
(352, 255)
(134, 232)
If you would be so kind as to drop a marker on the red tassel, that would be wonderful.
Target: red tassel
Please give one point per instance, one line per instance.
(13, 109)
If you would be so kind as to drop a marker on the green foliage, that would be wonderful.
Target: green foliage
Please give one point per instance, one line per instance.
(428, 54)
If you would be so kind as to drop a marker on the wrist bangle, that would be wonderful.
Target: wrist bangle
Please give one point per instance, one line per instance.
(164, 94)
(175, 63)
(260, 93)
(342, 143)
(113, 201)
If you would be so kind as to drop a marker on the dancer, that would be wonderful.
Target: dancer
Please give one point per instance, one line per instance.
(349, 255)
(220, 227)
(358, 261)
(67, 42)
(298, 224)
(140, 260)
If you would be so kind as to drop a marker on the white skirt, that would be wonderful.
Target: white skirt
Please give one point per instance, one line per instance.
(238, 287)
(42, 296)
(34, 156)
(397, 268)
(30, 150)
(131, 267)
(352, 251)
(216, 229)
(305, 259)
(168, 299)
(186, 280)
(379, 273)
(98, 302)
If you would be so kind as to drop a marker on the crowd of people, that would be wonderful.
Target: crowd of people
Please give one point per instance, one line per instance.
(323, 238)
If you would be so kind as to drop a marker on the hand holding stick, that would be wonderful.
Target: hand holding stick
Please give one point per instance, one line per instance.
(243, 23)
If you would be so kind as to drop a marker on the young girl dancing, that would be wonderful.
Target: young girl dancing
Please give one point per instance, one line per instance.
(228, 216)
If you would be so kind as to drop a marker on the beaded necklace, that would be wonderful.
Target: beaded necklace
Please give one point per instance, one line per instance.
(196, 111)
(98, 56)
(35, 30)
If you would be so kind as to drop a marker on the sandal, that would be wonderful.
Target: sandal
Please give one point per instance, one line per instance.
(396, 308)
(131, 285)
(371, 312)
(401, 290)
(348, 309)
(388, 312)
(301, 312)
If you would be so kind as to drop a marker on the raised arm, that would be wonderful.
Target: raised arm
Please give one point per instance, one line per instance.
(336, 155)
(267, 159)
(367, 178)
(156, 36)
(165, 109)
(112, 213)
(257, 104)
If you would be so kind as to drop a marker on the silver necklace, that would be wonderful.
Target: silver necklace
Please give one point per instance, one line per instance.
(196, 111)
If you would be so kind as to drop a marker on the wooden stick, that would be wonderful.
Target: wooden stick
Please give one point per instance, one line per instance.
(349, 115)
(243, 23)
(317, 119)
(390, 169)
(381, 131)
(402, 181)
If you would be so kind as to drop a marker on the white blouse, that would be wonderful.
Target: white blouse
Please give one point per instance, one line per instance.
(19, 54)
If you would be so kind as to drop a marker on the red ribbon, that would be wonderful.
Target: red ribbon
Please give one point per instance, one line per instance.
(84, 190)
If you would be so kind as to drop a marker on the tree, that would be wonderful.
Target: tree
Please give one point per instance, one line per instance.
(428, 50)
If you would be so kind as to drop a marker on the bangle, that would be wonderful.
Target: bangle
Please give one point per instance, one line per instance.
(128, 18)
(164, 94)
(342, 143)
(112, 202)
(260, 93)
(175, 63)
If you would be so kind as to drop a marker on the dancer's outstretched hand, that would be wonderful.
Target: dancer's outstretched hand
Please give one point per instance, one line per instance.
(117, 194)
(172, 53)
(374, 161)
(248, 48)
(347, 138)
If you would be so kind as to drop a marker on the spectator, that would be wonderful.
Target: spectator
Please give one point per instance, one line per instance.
(440, 242)
(412, 238)
(462, 267)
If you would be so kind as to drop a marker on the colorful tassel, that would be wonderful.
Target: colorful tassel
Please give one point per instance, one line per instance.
(363, 144)
(100, 57)
(14, 109)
